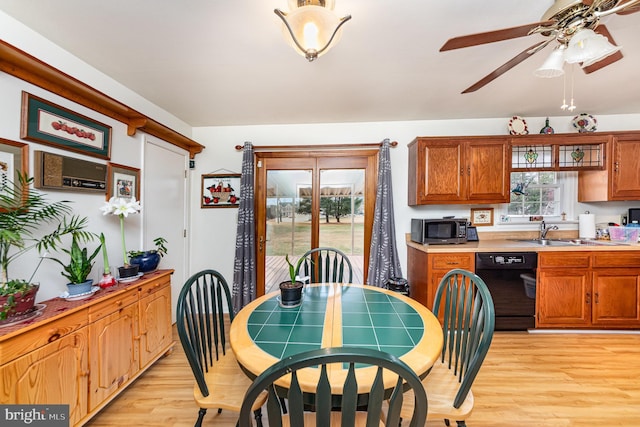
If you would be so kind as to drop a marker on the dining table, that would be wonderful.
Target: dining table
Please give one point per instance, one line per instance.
(335, 315)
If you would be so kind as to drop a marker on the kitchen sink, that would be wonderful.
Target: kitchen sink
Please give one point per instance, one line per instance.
(570, 242)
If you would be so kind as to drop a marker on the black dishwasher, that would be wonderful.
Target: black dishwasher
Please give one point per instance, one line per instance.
(502, 271)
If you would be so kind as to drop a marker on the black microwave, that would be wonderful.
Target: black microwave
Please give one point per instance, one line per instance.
(440, 231)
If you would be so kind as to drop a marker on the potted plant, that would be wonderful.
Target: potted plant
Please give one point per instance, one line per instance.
(25, 212)
(122, 207)
(148, 260)
(291, 290)
(80, 263)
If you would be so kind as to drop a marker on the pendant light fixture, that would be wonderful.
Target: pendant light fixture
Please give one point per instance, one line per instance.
(311, 27)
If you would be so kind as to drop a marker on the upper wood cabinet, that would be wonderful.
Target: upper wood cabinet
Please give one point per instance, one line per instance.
(559, 152)
(621, 180)
(448, 170)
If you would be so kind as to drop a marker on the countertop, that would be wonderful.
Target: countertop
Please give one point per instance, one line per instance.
(502, 244)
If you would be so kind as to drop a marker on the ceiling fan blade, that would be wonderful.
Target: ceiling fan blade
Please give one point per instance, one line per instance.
(492, 36)
(601, 29)
(506, 67)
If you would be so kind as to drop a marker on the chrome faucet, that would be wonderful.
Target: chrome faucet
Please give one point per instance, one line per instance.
(544, 230)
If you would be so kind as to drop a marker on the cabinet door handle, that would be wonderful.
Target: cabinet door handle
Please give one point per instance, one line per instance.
(461, 171)
(469, 170)
(588, 298)
(597, 298)
(615, 166)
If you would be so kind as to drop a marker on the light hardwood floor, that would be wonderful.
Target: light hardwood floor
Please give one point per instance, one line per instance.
(583, 380)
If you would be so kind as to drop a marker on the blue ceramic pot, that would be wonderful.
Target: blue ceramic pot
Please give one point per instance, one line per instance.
(146, 262)
(80, 288)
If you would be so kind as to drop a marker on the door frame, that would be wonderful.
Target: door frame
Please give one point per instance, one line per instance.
(316, 160)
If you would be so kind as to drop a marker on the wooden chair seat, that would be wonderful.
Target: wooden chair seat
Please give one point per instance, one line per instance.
(230, 384)
(441, 387)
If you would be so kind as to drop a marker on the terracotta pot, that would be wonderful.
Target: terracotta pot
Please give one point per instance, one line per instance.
(24, 302)
(290, 293)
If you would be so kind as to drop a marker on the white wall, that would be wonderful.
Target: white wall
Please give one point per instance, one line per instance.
(125, 150)
(218, 241)
(213, 230)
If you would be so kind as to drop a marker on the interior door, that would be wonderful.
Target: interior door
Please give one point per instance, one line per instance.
(304, 202)
(165, 202)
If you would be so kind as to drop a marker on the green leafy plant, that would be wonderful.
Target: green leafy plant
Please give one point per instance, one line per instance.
(292, 269)
(23, 212)
(160, 249)
(80, 262)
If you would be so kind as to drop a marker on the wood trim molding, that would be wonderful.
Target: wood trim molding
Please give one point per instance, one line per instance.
(20, 64)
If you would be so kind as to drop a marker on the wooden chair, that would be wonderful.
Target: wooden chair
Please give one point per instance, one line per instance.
(337, 409)
(324, 265)
(220, 383)
(469, 321)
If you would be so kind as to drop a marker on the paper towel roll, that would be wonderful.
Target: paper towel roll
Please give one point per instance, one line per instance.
(587, 226)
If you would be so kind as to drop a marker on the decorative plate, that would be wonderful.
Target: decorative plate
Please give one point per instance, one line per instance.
(35, 312)
(77, 297)
(517, 126)
(584, 122)
(129, 279)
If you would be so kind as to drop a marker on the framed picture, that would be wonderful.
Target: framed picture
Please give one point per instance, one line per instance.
(51, 124)
(220, 191)
(123, 181)
(14, 160)
(481, 216)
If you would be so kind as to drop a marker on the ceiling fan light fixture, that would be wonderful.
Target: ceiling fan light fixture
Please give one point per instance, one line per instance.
(553, 65)
(588, 47)
(311, 27)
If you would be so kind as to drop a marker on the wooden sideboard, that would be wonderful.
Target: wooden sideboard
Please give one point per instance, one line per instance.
(83, 353)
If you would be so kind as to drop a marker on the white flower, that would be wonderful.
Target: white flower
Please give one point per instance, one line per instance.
(121, 206)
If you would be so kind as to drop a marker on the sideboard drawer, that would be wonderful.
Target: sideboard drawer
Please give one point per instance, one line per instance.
(105, 308)
(42, 335)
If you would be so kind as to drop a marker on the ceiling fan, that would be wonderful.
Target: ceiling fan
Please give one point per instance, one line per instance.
(560, 22)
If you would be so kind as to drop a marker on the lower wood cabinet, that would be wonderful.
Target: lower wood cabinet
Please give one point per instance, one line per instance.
(425, 271)
(85, 355)
(588, 290)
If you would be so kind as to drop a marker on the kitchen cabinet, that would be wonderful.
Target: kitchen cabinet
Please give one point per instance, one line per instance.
(424, 283)
(559, 152)
(84, 353)
(458, 170)
(588, 289)
(620, 181)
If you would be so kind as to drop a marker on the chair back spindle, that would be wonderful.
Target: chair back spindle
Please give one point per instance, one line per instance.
(468, 325)
(326, 404)
(201, 323)
(325, 265)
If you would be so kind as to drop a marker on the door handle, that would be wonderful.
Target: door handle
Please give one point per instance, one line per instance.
(261, 243)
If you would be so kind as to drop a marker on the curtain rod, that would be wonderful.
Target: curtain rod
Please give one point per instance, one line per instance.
(312, 147)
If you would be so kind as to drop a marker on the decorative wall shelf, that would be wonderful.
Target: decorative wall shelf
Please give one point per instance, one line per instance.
(20, 64)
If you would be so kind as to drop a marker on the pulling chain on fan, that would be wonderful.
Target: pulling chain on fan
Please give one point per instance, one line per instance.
(564, 105)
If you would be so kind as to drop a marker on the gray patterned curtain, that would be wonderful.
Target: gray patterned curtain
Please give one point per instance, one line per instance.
(244, 267)
(383, 259)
